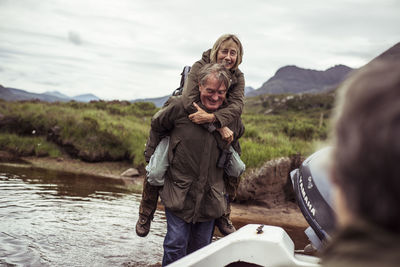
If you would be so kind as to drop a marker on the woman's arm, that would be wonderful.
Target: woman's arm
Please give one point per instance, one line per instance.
(221, 117)
(235, 105)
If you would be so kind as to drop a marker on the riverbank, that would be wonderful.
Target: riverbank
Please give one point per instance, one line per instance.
(287, 216)
(66, 164)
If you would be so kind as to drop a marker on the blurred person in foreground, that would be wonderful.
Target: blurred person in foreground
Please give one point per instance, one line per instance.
(365, 169)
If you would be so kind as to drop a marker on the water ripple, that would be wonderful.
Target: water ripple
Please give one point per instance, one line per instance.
(51, 219)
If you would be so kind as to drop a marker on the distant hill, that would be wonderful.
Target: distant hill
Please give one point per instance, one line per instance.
(292, 79)
(248, 89)
(392, 53)
(85, 98)
(13, 94)
(158, 101)
(56, 94)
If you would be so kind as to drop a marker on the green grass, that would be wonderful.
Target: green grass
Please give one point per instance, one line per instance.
(273, 136)
(276, 126)
(28, 146)
(92, 131)
(284, 125)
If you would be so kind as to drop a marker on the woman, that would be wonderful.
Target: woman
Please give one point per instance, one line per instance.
(228, 51)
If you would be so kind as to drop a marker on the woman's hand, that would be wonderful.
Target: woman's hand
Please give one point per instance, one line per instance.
(226, 134)
(201, 116)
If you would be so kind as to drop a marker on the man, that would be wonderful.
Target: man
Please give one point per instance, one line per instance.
(227, 50)
(194, 188)
(365, 169)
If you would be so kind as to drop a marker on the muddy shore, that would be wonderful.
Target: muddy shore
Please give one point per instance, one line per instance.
(287, 216)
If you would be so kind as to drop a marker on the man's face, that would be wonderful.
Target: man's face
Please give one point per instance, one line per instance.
(213, 93)
(227, 54)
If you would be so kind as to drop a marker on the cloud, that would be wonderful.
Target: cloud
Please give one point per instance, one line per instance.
(134, 49)
(74, 37)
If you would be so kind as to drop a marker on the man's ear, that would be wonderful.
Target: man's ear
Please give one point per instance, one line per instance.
(200, 87)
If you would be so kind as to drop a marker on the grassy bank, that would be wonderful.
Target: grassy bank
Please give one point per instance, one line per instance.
(284, 125)
(93, 132)
(276, 126)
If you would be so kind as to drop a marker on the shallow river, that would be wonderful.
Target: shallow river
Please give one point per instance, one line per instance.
(57, 219)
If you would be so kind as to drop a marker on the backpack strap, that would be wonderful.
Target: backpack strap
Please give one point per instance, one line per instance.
(184, 74)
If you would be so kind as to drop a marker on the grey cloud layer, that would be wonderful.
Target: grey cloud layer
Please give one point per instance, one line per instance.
(133, 49)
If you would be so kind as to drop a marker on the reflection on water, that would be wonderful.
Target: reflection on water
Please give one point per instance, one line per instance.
(57, 219)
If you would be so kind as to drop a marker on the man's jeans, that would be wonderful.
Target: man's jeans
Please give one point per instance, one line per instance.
(183, 238)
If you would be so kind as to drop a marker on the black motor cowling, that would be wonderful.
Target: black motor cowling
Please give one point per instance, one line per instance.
(313, 191)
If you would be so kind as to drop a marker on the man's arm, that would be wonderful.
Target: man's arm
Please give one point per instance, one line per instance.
(152, 142)
(161, 124)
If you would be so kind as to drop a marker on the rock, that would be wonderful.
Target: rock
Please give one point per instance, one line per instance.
(131, 172)
(269, 185)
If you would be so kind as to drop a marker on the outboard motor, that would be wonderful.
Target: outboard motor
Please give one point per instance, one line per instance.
(313, 191)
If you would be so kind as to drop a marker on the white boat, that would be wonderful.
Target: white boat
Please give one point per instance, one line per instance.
(263, 245)
(258, 245)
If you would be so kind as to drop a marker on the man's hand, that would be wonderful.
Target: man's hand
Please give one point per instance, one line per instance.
(226, 134)
(201, 116)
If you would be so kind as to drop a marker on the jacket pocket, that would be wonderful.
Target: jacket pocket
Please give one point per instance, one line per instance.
(183, 164)
(174, 193)
(215, 203)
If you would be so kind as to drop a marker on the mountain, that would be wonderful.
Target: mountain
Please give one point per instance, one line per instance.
(392, 53)
(57, 94)
(6, 93)
(292, 79)
(85, 98)
(248, 89)
(158, 101)
(13, 94)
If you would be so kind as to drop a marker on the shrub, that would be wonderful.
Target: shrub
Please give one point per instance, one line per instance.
(278, 125)
(28, 146)
(301, 130)
(90, 131)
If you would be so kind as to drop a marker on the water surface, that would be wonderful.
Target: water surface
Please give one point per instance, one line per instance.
(51, 218)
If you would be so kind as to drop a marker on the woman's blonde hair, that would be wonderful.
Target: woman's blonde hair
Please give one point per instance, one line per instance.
(218, 43)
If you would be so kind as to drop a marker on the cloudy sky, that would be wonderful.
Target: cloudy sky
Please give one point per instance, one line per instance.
(129, 49)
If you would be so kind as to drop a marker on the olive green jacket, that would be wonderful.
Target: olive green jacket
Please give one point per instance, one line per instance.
(235, 95)
(194, 187)
(363, 245)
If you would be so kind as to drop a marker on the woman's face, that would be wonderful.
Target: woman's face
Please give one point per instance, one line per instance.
(228, 53)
